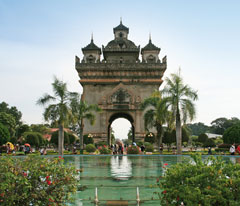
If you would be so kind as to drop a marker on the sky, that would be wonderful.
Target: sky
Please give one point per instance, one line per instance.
(39, 39)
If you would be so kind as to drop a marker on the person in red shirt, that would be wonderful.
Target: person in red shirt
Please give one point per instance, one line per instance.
(238, 149)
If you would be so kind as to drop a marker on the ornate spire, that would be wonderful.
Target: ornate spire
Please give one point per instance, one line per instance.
(150, 38)
(120, 20)
(92, 37)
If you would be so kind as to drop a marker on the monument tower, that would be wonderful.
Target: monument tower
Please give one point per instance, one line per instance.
(119, 82)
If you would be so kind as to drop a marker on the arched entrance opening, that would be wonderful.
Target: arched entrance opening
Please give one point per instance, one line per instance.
(121, 116)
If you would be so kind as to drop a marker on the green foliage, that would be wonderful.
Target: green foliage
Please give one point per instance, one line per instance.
(87, 139)
(219, 125)
(22, 129)
(4, 107)
(198, 128)
(209, 143)
(133, 150)
(54, 138)
(4, 134)
(36, 181)
(212, 182)
(140, 143)
(13, 140)
(104, 150)
(202, 138)
(90, 148)
(32, 138)
(41, 128)
(150, 137)
(8, 121)
(169, 137)
(232, 134)
(101, 143)
(72, 138)
(149, 148)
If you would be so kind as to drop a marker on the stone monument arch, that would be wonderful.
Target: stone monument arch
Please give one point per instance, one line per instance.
(119, 82)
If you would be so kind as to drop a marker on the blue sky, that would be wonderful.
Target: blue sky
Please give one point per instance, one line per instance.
(39, 39)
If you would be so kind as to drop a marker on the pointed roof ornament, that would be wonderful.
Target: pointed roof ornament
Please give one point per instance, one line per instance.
(91, 46)
(150, 46)
(121, 27)
(92, 37)
(150, 38)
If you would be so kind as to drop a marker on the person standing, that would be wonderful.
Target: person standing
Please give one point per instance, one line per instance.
(232, 149)
(238, 149)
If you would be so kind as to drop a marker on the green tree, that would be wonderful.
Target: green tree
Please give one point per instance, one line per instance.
(55, 139)
(169, 137)
(60, 111)
(209, 143)
(202, 138)
(219, 125)
(82, 111)
(31, 138)
(22, 129)
(8, 121)
(4, 107)
(179, 97)
(4, 134)
(87, 139)
(198, 128)
(232, 134)
(155, 116)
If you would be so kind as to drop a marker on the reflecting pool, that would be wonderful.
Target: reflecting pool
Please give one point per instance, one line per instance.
(117, 177)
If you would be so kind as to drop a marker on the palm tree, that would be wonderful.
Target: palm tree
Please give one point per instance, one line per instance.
(59, 112)
(81, 110)
(179, 97)
(155, 116)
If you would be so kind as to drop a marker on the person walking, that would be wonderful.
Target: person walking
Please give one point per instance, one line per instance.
(232, 149)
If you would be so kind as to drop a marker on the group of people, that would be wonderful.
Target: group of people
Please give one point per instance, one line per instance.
(117, 148)
(233, 149)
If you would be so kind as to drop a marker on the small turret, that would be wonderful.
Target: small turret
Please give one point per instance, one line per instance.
(91, 53)
(121, 31)
(150, 52)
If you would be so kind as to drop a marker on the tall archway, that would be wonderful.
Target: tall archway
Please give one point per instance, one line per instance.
(117, 116)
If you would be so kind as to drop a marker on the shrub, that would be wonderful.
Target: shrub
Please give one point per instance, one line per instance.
(54, 138)
(140, 143)
(4, 134)
(133, 150)
(36, 181)
(150, 137)
(209, 143)
(31, 138)
(104, 150)
(202, 138)
(87, 139)
(149, 148)
(232, 134)
(211, 182)
(101, 143)
(90, 148)
(224, 146)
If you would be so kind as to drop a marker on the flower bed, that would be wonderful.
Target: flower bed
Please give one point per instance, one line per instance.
(36, 181)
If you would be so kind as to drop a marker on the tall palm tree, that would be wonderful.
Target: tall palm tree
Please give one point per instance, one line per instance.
(179, 97)
(60, 111)
(81, 110)
(155, 115)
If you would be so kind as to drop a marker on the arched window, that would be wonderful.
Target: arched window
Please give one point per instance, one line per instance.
(120, 34)
(151, 59)
(91, 59)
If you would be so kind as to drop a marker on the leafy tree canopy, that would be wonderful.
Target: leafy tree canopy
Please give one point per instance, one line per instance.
(8, 121)
(202, 138)
(219, 125)
(198, 128)
(4, 107)
(4, 134)
(232, 134)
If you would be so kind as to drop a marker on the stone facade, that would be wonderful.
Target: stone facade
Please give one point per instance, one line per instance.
(120, 82)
